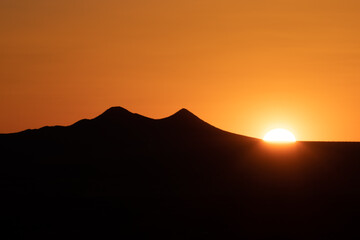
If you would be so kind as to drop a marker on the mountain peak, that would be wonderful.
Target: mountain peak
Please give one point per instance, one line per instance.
(184, 111)
(117, 109)
(184, 115)
(115, 113)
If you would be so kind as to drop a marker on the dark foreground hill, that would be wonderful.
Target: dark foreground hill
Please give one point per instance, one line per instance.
(125, 176)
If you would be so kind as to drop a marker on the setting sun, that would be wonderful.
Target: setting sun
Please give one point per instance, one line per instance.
(279, 135)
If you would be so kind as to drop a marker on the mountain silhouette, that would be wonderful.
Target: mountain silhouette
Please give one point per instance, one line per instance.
(123, 175)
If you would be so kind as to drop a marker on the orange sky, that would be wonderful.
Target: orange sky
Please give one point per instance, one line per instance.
(243, 66)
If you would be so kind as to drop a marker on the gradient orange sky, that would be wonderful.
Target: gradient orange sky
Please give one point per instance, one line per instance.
(243, 66)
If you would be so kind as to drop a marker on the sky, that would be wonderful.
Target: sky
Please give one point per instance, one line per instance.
(243, 66)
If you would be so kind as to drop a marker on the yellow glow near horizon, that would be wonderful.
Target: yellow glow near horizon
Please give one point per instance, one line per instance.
(279, 135)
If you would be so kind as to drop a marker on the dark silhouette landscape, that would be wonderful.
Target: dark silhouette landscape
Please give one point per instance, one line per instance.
(125, 176)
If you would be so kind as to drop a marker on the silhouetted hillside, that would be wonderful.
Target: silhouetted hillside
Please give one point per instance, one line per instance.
(123, 175)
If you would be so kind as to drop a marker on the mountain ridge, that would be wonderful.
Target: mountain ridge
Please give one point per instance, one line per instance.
(117, 117)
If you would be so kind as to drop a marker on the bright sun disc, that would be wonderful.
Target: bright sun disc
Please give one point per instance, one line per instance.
(279, 135)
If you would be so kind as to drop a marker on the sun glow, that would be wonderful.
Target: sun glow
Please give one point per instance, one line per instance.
(279, 135)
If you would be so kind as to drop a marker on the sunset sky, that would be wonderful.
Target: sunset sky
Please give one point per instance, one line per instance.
(243, 66)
